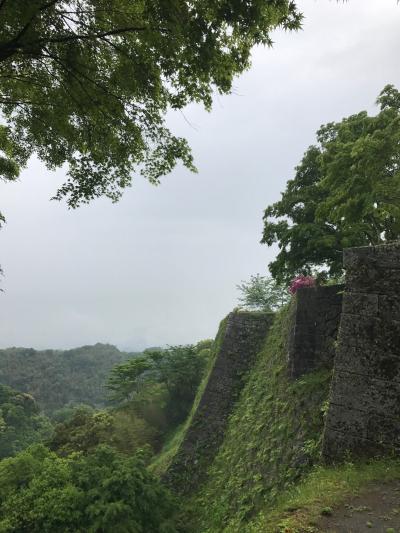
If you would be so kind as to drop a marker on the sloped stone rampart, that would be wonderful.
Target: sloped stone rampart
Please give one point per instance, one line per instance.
(243, 338)
(315, 324)
(364, 410)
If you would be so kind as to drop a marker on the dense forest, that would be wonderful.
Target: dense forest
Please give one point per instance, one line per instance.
(57, 378)
(55, 467)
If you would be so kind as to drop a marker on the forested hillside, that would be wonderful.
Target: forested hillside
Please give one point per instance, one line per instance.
(56, 378)
(21, 422)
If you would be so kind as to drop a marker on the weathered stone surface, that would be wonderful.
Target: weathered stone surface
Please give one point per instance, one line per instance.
(366, 393)
(315, 318)
(338, 446)
(360, 304)
(364, 411)
(244, 336)
(370, 332)
(358, 425)
(368, 361)
(389, 306)
(372, 269)
(381, 256)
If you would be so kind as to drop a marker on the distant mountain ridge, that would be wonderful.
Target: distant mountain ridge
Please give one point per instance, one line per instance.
(61, 377)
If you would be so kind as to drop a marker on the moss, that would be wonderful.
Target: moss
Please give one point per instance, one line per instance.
(272, 439)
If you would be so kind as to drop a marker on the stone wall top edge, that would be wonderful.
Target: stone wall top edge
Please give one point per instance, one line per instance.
(394, 245)
(321, 288)
(378, 247)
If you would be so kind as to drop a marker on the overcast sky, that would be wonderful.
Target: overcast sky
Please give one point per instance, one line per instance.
(161, 266)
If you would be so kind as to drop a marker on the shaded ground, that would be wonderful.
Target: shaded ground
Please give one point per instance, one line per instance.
(377, 509)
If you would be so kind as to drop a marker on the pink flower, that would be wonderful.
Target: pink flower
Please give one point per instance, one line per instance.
(301, 281)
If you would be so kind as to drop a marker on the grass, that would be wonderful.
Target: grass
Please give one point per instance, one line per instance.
(298, 509)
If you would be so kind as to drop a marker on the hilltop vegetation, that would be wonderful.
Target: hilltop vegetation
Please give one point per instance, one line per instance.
(56, 378)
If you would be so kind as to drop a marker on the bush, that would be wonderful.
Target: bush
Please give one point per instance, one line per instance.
(262, 293)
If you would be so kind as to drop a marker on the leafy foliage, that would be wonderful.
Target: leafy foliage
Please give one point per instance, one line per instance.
(57, 378)
(174, 373)
(21, 423)
(345, 193)
(262, 293)
(85, 430)
(103, 491)
(87, 83)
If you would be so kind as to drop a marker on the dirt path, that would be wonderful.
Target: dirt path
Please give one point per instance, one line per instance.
(377, 509)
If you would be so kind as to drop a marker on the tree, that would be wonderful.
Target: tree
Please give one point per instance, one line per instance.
(87, 83)
(170, 376)
(262, 293)
(121, 429)
(345, 193)
(103, 491)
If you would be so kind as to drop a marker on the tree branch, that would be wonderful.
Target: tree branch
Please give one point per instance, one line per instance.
(12, 47)
(85, 37)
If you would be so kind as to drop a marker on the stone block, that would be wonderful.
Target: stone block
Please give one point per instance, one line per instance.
(345, 420)
(366, 393)
(369, 332)
(383, 256)
(339, 446)
(315, 323)
(368, 425)
(369, 361)
(389, 306)
(355, 303)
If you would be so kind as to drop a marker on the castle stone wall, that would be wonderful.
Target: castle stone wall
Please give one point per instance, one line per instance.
(243, 338)
(315, 324)
(364, 410)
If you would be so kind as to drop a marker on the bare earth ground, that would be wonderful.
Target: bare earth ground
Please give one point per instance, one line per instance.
(377, 509)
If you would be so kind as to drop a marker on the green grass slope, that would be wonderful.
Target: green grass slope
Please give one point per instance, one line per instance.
(272, 440)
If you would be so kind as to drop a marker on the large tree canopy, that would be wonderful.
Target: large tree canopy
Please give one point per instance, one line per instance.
(346, 192)
(87, 83)
(101, 491)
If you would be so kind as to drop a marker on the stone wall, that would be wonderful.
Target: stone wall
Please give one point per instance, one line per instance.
(243, 338)
(364, 411)
(315, 324)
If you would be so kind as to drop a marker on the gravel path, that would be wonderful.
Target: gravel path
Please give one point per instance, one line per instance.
(377, 509)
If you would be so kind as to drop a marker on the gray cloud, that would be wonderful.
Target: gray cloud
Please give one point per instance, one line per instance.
(162, 265)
